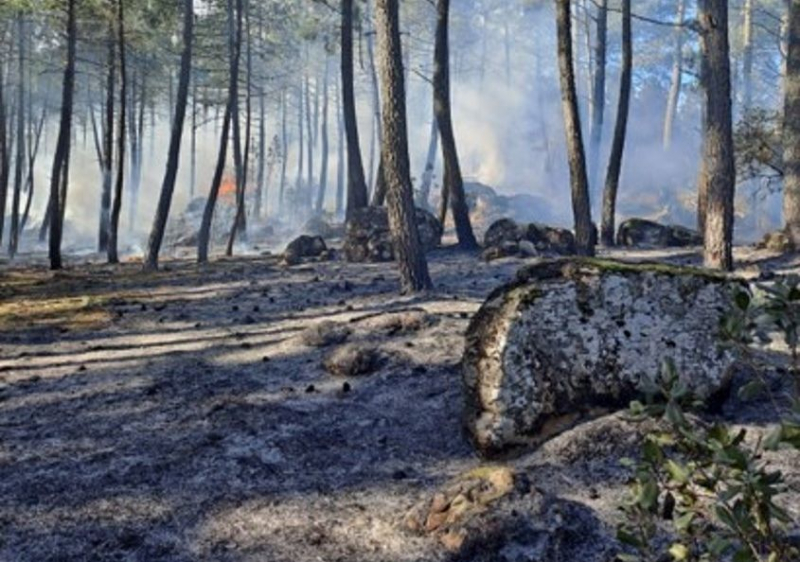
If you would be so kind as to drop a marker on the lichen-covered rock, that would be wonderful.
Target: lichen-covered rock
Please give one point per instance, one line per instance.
(551, 239)
(650, 234)
(368, 239)
(325, 333)
(573, 338)
(304, 247)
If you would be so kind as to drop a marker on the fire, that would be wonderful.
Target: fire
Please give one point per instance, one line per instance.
(227, 191)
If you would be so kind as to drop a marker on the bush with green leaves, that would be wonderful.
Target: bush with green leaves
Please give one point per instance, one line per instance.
(703, 492)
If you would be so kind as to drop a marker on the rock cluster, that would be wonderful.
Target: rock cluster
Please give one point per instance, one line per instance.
(507, 238)
(650, 234)
(368, 239)
(573, 338)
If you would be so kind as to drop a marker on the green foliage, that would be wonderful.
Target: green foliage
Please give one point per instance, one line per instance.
(712, 490)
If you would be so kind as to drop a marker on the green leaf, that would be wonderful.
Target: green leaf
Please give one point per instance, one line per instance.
(742, 300)
(683, 522)
(626, 537)
(773, 439)
(677, 472)
(751, 390)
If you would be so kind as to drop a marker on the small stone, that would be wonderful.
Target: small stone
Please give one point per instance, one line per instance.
(310, 389)
(352, 360)
(453, 540)
(346, 387)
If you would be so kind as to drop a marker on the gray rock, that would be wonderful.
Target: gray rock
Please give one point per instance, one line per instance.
(304, 247)
(649, 234)
(508, 238)
(573, 338)
(368, 239)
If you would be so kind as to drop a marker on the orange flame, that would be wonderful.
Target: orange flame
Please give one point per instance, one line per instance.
(228, 188)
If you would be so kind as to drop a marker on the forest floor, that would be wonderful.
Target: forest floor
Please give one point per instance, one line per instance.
(186, 415)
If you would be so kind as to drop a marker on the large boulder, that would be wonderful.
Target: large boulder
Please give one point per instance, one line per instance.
(650, 234)
(368, 239)
(573, 338)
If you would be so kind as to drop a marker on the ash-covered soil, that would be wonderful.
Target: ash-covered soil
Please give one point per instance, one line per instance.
(188, 415)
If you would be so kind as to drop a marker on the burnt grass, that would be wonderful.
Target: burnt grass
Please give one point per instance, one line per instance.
(183, 415)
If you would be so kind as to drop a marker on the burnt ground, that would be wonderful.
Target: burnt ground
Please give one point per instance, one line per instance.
(186, 415)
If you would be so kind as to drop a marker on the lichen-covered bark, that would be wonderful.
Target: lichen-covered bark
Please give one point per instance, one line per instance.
(571, 338)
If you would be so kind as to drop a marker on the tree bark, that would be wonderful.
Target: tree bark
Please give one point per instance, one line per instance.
(262, 151)
(204, 237)
(5, 154)
(240, 219)
(599, 94)
(747, 56)
(424, 194)
(113, 235)
(13, 237)
(720, 176)
(394, 152)
(284, 151)
(608, 224)
(453, 180)
(59, 177)
(323, 174)
(791, 128)
(340, 162)
(108, 143)
(310, 131)
(357, 196)
(173, 159)
(676, 80)
(581, 206)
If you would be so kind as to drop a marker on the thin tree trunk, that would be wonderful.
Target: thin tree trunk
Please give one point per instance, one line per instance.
(791, 128)
(310, 131)
(108, 144)
(424, 193)
(32, 154)
(357, 196)
(234, 54)
(60, 175)
(284, 150)
(301, 148)
(13, 238)
(720, 174)
(340, 161)
(5, 154)
(240, 219)
(394, 153)
(173, 159)
(453, 180)
(581, 206)
(323, 174)
(193, 142)
(599, 95)
(620, 131)
(747, 56)
(113, 236)
(262, 151)
(676, 81)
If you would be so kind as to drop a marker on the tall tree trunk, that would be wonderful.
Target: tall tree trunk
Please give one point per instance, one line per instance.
(581, 206)
(720, 176)
(394, 153)
(747, 56)
(310, 125)
(620, 130)
(453, 180)
(300, 148)
(357, 196)
(262, 151)
(340, 163)
(173, 158)
(108, 143)
(5, 154)
(323, 174)
(60, 175)
(791, 128)
(113, 235)
(284, 151)
(193, 142)
(676, 81)
(234, 53)
(32, 154)
(598, 95)
(240, 219)
(13, 237)
(376, 137)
